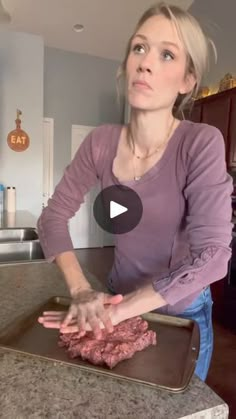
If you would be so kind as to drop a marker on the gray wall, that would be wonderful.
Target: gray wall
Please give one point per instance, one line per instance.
(21, 86)
(218, 19)
(78, 89)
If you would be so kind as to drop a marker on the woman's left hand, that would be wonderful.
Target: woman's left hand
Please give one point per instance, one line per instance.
(133, 304)
(54, 320)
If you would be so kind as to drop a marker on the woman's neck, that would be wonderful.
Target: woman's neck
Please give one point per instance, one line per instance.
(150, 129)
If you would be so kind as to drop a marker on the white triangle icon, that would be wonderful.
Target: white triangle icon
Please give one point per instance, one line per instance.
(116, 209)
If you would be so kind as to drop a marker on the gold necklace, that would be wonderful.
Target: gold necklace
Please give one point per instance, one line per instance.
(136, 177)
(134, 170)
(153, 152)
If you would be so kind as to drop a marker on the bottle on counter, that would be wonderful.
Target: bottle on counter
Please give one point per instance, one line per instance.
(1, 198)
(10, 199)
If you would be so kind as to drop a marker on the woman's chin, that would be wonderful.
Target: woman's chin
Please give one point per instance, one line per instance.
(140, 107)
(139, 103)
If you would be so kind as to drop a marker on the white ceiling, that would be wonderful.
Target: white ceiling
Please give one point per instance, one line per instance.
(108, 23)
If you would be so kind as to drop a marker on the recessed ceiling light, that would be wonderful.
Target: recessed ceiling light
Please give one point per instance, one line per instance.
(78, 27)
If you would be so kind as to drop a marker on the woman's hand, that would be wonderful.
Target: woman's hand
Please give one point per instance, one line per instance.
(89, 310)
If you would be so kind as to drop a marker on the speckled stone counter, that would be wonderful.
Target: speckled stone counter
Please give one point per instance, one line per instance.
(33, 388)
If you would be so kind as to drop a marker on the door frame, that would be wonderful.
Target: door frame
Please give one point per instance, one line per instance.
(48, 164)
(83, 222)
(105, 238)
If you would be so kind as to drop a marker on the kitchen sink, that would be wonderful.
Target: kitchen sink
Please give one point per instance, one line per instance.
(27, 251)
(10, 235)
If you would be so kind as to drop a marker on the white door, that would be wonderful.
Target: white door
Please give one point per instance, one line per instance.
(48, 133)
(84, 230)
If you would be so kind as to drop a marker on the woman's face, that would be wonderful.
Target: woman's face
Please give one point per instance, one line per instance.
(156, 66)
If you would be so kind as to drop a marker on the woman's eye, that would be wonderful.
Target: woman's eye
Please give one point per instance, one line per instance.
(167, 55)
(139, 48)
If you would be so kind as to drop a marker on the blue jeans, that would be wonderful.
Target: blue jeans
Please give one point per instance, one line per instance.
(201, 311)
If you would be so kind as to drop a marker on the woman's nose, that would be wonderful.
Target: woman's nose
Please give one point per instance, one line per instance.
(143, 68)
(146, 65)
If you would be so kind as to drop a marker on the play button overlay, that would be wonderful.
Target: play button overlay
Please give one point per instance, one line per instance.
(117, 209)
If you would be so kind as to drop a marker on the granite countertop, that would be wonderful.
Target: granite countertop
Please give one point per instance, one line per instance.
(33, 388)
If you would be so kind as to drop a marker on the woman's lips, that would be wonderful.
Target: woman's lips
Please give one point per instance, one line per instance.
(141, 84)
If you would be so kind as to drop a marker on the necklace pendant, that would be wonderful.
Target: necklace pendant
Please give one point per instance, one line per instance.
(137, 177)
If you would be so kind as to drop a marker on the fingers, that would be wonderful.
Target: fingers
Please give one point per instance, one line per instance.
(75, 326)
(112, 299)
(94, 322)
(87, 312)
(51, 319)
(81, 321)
(50, 324)
(68, 318)
(54, 313)
(55, 322)
(72, 328)
(51, 316)
(105, 318)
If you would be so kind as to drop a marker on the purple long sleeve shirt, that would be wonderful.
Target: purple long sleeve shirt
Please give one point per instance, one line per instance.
(182, 243)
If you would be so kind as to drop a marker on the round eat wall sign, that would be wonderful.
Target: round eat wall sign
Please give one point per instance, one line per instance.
(17, 139)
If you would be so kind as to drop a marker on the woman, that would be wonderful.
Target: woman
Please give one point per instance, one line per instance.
(181, 244)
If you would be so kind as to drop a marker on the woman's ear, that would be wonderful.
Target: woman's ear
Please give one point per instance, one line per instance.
(188, 84)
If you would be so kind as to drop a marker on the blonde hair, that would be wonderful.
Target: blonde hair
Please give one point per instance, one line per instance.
(196, 43)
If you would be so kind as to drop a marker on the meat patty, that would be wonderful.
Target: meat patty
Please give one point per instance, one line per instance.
(127, 338)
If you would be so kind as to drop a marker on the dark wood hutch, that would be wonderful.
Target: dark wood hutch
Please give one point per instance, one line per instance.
(219, 110)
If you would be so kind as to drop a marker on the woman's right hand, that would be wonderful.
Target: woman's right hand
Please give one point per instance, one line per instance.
(88, 307)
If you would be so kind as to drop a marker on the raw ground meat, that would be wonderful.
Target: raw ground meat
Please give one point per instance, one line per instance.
(127, 338)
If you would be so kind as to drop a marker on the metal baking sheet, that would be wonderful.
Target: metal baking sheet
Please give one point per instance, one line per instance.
(168, 365)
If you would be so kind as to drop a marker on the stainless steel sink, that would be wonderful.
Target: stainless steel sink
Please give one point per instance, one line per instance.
(17, 235)
(28, 251)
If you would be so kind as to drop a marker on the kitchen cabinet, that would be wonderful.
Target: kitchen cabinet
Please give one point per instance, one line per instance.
(216, 112)
(232, 132)
(196, 113)
(219, 110)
